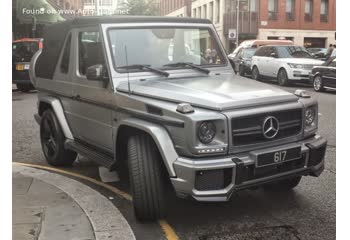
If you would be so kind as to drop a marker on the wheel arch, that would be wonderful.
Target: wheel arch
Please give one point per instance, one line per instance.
(53, 103)
(160, 136)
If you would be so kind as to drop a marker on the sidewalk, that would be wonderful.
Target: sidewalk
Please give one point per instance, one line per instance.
(50, 206)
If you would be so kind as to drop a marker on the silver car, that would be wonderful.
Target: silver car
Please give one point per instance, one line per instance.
(109, 90)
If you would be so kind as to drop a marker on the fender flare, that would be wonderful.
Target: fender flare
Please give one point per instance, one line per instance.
(58, 110)
(161, 138)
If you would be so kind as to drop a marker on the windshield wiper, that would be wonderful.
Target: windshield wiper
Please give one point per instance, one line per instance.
(184, 64)
(145, 67)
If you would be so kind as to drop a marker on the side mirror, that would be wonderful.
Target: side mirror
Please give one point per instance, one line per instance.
(96, 73)
(274, 55)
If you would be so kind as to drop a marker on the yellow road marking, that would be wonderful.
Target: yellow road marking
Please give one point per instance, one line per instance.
(168, 230)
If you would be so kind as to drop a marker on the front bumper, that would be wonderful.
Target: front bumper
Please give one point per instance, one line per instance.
(238, 172)
(299, 74)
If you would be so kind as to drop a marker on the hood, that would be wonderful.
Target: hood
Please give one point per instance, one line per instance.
(302, 61)
(217, 92)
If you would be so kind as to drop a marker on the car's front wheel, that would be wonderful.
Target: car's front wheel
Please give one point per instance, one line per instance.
(255, 73)
(282, 77)
(52, 141)
(146, 178)
(283, 185)
(318, 83)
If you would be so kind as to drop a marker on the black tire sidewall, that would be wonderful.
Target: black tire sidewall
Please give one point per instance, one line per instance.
(255, 73)
(313, 84)
(62, 157)
(279, 80)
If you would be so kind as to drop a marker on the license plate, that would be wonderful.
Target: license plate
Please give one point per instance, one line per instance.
(276, 157)
(26, 67)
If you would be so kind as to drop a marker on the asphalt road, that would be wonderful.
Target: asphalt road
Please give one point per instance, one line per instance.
(308, 212)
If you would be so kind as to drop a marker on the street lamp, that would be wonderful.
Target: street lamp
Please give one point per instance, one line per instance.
(237, 22)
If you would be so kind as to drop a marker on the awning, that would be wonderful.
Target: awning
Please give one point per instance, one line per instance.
(43, 12)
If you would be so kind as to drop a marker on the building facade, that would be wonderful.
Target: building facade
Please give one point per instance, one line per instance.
(310, 23)
(100, 7)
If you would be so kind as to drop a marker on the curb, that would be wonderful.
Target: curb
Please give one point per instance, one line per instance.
(105, 218)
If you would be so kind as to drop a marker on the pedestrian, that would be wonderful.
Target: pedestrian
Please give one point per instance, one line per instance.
(334, 52)
(329, 51)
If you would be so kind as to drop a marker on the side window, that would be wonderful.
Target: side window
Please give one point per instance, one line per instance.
(268, 52)
(333, 63)
(90, 51)
(260, 52)
(66, 55)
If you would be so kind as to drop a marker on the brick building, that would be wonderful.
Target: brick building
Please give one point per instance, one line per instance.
(311, 23)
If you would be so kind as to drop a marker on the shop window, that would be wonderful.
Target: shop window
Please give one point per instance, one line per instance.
(273, 6)
(309, 6)
(324, 11)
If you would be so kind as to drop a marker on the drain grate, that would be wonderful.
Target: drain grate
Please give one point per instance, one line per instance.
(268, 233)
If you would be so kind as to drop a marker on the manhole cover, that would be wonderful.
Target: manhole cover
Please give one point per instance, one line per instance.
(269, 233)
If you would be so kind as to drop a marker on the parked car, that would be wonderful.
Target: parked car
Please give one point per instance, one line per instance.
(22, 52)
(315, 50)
(324, 76)
(241, 63)
(258, 43)
(287, 64)
(321, 55)
(183, 123)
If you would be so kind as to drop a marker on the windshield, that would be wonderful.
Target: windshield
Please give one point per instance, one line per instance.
(248, 52)
(157, 47)
(293, 52)
(24, 50)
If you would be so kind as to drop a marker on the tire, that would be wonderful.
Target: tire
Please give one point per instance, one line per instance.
(318, 83)
(283, 185)
(52, 141)
(146, 178)
(255, 73)
(241, 71)
(24, 87)
(282, 77)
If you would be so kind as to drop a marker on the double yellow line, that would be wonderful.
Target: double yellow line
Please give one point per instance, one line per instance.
(168, 230)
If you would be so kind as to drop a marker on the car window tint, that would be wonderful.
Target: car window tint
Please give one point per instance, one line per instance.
(333, 63)
(66, 54)
(90, 50)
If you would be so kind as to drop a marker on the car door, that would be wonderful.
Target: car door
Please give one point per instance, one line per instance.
(329, 75)
(92, 108)
(260, 59)
(273, 62)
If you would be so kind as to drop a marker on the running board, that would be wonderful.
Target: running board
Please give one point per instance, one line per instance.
(96, 156)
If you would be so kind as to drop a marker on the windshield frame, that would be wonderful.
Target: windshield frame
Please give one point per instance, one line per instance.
(210, 30)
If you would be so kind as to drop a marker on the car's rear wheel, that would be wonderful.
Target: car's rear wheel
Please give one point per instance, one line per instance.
(255, 73)
(241, 71)
(283, 185)
(24, 87)
(52, 141)
(318, 83)
(282, 77)
(146, 175)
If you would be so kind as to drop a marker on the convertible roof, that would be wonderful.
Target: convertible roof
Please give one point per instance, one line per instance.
(55, 35)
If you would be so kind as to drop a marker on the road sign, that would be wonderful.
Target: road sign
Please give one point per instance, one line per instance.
(232, 33)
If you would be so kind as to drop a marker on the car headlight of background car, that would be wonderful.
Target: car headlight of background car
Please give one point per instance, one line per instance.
(293, 65)
(311, 120)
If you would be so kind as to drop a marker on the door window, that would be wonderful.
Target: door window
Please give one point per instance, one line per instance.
(66, 56)
(90, 51)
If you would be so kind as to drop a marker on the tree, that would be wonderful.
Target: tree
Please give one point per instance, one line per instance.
(141, 7)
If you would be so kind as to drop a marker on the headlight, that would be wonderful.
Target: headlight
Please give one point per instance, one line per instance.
(206, 132)
(293, 65)
(310, 116)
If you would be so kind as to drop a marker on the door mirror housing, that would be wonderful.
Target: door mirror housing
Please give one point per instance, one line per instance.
(95, 72)
(274, 55)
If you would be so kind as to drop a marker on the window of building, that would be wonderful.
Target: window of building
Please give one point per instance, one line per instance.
(253, 5)
(90, 51)
(217, 18)
(105, 2)
(211, 11)
(308, 10)
(273, 6)
(324, 11)
(290, 10)
(66, 56)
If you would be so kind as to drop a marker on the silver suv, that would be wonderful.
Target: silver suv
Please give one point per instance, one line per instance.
(159, 96)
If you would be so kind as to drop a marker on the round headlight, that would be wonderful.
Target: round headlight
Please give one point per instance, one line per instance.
(206, 132)
(310, 116)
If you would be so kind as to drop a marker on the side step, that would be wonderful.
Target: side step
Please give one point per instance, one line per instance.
(97, 156)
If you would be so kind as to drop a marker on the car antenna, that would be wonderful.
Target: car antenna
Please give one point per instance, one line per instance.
(126, 61)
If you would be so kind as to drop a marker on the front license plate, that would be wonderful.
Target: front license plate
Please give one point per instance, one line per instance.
(278, 156)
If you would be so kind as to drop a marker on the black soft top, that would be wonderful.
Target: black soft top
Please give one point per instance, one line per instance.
(55, 35)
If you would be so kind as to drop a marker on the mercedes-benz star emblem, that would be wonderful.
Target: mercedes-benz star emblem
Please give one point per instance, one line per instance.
(270, 127)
